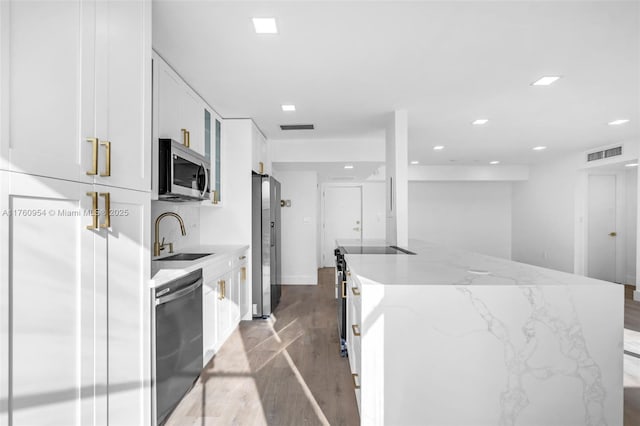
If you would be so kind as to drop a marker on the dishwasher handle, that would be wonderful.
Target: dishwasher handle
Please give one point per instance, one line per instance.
(180, 293)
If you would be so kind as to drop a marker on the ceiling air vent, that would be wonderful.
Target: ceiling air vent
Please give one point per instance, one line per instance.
(605, 153)
(296, 127)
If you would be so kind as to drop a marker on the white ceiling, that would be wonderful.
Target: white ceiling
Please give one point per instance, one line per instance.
(346, 65)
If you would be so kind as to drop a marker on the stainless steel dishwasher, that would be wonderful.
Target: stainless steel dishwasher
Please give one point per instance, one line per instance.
(178, 340)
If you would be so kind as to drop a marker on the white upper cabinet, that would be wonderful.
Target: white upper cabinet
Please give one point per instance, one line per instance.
(47, 87)
(74, 71)
(180, 111)
(123, 93)
(261, 161)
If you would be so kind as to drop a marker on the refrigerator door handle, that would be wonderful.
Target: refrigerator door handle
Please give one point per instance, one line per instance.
(273, 234)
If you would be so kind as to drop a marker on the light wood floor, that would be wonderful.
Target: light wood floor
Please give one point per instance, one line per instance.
(283, 372)
(289, 371)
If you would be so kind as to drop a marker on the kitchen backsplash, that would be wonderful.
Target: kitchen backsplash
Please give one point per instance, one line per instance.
(170, 228)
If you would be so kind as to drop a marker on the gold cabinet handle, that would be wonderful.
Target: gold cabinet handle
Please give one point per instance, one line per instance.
(107, 210)
(224, 289)
(94, 156)
(184, 137)
(243, 273)
(216, 197)
(355, 383)
(107, 164)
(220, 290)
(355, 291)
(188, 139)
(344, 289)
(348, 273)
(613, 234)
(242, 257)
(260, 167)
(94, 210)
(356, 329)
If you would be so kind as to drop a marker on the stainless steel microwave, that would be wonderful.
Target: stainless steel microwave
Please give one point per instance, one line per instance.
(183, 175)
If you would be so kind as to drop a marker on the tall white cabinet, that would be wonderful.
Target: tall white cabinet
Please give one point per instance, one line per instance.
(75, 110)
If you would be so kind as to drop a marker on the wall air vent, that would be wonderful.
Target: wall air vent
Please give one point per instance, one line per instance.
(296, 127)
(605, 153)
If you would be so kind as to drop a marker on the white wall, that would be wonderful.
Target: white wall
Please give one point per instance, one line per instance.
(327, 150)
(299, 226)
(373, 211)
(474, 216)
(543, 217)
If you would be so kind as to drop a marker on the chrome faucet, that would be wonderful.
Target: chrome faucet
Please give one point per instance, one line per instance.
(159, 246)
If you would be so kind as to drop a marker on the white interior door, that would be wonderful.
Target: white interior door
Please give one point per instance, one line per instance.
(342, 218)
(602, 232)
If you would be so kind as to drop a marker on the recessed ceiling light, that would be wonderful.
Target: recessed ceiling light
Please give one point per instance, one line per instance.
(546, 80)
(415, 162)
(494, 162)
(539, 148)
(438, 148)
(631, 165)
(349, 166)
(288, 108)
(480, 122)
(618, 122)
(265, 25)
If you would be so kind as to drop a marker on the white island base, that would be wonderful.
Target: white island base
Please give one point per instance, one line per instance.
(519, 345)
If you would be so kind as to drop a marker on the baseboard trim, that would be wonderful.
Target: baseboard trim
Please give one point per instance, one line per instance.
(300, 280)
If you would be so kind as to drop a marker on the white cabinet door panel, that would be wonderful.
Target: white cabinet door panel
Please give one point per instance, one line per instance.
(122, 88)
(123, 256)
(51, 296)
(209, 337)
(192, 118)
(169, 95)
(50, 80)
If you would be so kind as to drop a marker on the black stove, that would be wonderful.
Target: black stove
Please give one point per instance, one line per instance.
(374, 250)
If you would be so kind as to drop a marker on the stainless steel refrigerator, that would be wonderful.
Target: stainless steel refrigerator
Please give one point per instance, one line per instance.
(265, 245)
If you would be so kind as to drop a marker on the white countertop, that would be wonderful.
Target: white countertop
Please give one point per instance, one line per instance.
(437, 265)
(163, 272)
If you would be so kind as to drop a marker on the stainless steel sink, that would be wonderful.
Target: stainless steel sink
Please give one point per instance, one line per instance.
(184, 256)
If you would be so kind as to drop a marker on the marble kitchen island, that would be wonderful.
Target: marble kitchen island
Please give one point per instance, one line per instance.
(449, 337)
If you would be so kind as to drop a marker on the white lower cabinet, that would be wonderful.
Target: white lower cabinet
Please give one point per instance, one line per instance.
(74, 346)
(354, 333)
(223, 291)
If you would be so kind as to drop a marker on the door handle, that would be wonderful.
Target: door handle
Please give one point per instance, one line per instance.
(94, 210)
(94, 156)
(107, 165)
(107, 210)
(613, 234)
